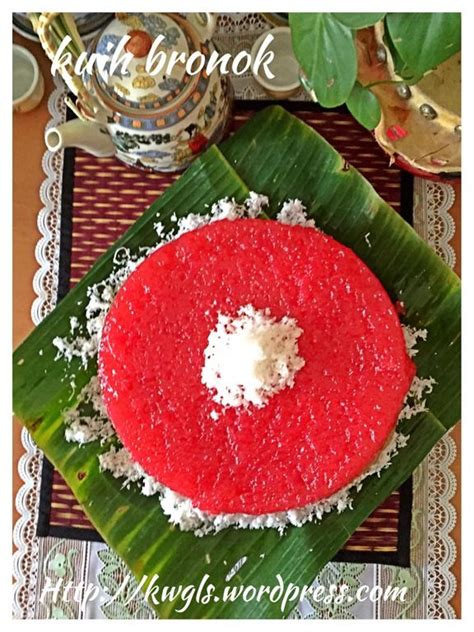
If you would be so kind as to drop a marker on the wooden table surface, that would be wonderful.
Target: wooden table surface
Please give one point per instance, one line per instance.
(28, 149)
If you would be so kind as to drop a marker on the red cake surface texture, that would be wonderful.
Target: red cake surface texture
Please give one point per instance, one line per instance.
(308, 441)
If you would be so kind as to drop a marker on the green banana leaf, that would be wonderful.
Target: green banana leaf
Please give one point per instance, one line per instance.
(278, 155)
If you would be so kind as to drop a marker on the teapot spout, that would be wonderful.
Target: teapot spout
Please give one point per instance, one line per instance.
(87, 135)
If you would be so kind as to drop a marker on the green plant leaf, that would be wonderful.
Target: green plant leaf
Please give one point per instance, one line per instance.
(364, 106)
(424, 40)
(325, 49)
(358, 20)
(401, 68)
(276, 154)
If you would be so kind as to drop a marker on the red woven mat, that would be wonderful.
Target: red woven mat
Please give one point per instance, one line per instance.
(107, 197)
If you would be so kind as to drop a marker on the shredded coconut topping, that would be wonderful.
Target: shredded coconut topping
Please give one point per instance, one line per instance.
(412, 335)
(85, 344)
(252, 357)
(293, 212)
(88, 420)
(415, 401)
(119, 462)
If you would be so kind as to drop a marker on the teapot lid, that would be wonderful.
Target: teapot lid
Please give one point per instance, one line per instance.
(136, 88)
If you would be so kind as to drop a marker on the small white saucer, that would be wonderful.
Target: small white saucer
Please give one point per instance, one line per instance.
(28, 82)
(284, 66)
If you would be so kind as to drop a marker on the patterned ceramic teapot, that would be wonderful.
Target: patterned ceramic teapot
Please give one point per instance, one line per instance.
(153, 121)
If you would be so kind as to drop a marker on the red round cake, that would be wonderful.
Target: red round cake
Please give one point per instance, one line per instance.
(308, 441)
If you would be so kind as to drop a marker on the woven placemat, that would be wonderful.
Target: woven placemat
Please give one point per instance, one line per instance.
(101, 198)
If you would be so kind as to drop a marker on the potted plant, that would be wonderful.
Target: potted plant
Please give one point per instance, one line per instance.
(397, 73)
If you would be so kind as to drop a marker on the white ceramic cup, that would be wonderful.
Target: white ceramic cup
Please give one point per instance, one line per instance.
(28, 82)
(284, 65)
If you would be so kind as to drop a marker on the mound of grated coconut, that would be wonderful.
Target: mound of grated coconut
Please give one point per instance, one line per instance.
(87, 421)
(251, 357)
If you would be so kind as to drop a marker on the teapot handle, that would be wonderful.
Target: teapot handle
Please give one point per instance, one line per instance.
(204, 23)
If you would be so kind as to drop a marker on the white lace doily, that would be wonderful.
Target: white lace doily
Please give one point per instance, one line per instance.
(45, 281)
(431, 581)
